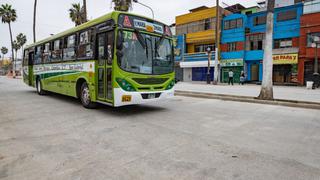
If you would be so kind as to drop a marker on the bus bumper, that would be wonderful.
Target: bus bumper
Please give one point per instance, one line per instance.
(123, 98)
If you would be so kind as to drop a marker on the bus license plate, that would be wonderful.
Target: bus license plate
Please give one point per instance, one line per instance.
(126, 98)
(152, 96)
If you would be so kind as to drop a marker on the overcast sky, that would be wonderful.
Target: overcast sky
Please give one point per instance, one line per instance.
(53, 16)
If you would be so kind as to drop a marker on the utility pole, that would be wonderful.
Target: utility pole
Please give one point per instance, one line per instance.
(85, 10)
(316, 42)
(34, 20)
(217, 42)
(136, 1)
(208, 70)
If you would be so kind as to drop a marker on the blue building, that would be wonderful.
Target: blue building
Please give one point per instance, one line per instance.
(242, 43)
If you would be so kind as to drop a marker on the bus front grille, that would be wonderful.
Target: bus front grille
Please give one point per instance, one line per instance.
(152, 81)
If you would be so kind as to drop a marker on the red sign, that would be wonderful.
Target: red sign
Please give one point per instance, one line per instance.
(127, 22)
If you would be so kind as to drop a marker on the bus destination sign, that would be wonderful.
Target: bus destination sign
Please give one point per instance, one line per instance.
(150, 27)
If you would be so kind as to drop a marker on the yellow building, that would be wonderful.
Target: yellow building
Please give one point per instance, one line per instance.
(198, 29)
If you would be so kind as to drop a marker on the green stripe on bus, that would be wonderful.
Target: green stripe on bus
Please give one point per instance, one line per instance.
(53, 74)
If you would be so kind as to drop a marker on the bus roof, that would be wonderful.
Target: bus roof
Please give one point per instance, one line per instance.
(111, 15)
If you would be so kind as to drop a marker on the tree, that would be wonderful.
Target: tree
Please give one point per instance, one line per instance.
(34, 20)
(76, 14)
(122, 5)
(21, 39)
(16, 46)
(266, 92)
(4, 51)
(8, 15)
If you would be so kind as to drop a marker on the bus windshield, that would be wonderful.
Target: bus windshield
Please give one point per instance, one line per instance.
(146, 54)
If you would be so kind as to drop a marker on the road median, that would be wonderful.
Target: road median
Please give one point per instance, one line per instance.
(249, 99)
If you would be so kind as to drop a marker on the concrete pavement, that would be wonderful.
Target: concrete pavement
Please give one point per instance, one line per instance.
(249, 90)
(54, 137)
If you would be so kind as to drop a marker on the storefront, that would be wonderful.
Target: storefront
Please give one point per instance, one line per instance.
(236, 65)
(285, 68)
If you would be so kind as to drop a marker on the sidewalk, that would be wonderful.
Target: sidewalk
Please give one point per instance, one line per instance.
(280, 92)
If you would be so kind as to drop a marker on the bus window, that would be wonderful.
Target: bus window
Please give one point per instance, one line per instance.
(69, 48)
(31, 58)
(26, 58)
(38, 54)
(110, 47)
(85, 49)
(46, 53)
(56, 52)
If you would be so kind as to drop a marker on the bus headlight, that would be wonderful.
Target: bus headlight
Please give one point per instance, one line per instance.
(170, 86)
(125, 85)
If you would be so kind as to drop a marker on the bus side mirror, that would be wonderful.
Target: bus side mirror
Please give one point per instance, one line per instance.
(120, 41)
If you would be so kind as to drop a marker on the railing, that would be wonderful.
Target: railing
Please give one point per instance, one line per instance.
(198, 56)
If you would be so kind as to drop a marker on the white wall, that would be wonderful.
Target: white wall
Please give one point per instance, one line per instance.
(311, 7)
(187, 74)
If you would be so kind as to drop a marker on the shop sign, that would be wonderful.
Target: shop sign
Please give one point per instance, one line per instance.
(231, 62)
(285, 59)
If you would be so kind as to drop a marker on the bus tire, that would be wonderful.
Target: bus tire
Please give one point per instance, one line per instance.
(39, 88)
(85, 97)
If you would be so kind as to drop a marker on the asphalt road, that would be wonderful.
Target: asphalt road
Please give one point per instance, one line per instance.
(54, 137)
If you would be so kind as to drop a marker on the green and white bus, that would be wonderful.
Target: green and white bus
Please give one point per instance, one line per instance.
(118, 59)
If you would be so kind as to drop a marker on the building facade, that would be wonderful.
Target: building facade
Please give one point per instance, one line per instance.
(310, 27)
(242, 44)
(195, 33)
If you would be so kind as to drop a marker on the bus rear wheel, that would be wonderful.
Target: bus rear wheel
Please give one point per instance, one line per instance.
(40, 91)
(85, 97)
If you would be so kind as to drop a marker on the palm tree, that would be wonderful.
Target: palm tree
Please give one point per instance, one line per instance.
(21, 39)
(122, 5)
(34, 20)
(16, 46)
(76, 14)
(266, 92)
(8, 15)
(4, 51)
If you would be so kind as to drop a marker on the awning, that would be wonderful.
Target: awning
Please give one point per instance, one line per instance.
(196, 64)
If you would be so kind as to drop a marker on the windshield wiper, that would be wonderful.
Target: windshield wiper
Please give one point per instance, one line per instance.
(140, 38)
(157, 44)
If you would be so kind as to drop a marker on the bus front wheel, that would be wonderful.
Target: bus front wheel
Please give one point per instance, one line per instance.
(40, 91)
(85, 97)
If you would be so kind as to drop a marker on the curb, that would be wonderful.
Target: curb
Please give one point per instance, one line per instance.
(279, 102)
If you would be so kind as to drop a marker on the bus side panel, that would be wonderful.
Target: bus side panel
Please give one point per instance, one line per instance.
(62, 77)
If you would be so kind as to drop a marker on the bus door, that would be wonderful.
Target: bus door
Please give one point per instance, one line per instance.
(30, 68)
(105, 55)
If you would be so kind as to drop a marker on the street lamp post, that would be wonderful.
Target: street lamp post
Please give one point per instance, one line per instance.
(316, 42)
(136, 1)
(208, 70)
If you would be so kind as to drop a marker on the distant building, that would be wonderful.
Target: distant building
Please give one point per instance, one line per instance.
(242, 43)
(195, 33)
(310, 27)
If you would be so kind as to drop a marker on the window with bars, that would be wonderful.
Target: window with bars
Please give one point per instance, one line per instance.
(310, 38)
(232, 46)
(196, 26)
(232, 24)
(203, 47)
(282, 43)
(255, 42)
